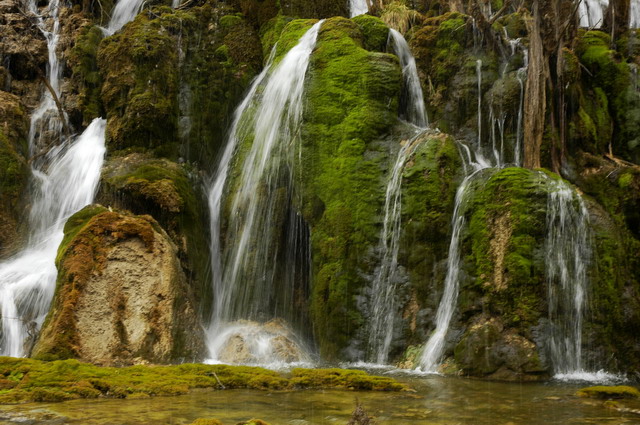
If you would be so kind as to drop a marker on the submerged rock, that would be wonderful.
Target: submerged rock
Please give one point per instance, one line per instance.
(620, 391)
(121, 296)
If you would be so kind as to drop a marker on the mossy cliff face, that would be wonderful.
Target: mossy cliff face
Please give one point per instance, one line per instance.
(451, 56)
(172, 78)
(14, 171)
(429, 185)
(606, 99)
(121, 296)
(614, 190)
(502, 290)
(172, 194)
(352, 103)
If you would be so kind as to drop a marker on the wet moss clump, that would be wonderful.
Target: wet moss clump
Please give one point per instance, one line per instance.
(607, 392)
(25, 380)
(352, 102)
(85, 72)
(341, 378)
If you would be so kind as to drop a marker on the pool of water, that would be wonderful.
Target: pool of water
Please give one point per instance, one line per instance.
(436, 400)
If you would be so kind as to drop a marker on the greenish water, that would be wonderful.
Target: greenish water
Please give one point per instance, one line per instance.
(437, 400)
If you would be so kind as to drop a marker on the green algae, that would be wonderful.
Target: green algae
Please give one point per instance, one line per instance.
(33, 380)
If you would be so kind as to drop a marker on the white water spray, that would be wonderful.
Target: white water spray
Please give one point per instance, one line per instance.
(124, 12)
(568, 253)
(269, 119)
(415, 111)
(358, 7)
(27, 281)
(383, 288)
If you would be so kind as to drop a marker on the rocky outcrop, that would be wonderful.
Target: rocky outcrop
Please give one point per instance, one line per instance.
(14, 171)
(172, 194)
(23, 53)
(353, 103)
(171, 80)
(121, 295)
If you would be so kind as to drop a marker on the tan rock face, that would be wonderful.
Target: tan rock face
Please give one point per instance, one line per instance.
(122, 297)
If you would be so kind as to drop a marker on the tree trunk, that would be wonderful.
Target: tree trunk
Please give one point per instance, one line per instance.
(535, 94)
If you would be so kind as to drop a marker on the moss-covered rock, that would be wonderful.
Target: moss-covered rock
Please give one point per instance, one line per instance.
(33, 380)
(606, 392)
(121, 296)
(14, 171)
(352, 102)
(172, 194)
(614, 301)
(608, 82)
(158, 91)
(85, 73)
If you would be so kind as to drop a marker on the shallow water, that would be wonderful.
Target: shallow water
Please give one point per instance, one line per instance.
(437, 400)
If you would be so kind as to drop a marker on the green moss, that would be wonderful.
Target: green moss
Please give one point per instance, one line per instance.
(428, 191)
(375, 32)
(608, 71)
(621, 391)
(341, 378)
(270, 32)
(84, 66)
(70, 379)
(177, 105)
(291, 34)
(506, 230)
(353, 101)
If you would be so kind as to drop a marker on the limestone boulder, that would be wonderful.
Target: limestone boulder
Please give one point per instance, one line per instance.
(121, 295)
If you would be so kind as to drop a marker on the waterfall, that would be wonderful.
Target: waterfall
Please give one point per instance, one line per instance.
(591, 13)
(521, 75)
(414, 99)
(27, 281)
(124, 12)
(634, 21)
(382, 291)
(358, 7)
(434, 348)
(46, 122)
(568, 253)
(269, 120)
(479, 79)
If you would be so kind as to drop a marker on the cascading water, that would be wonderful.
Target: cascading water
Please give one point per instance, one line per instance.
(358, 7)
(634, 21)
(434, 348)
(269, 118)
(27, 281)
(123, 12)
(382, 306)
(415, 110)
(46, 122)
(591, 13)
(568, 253)
(383, 288)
